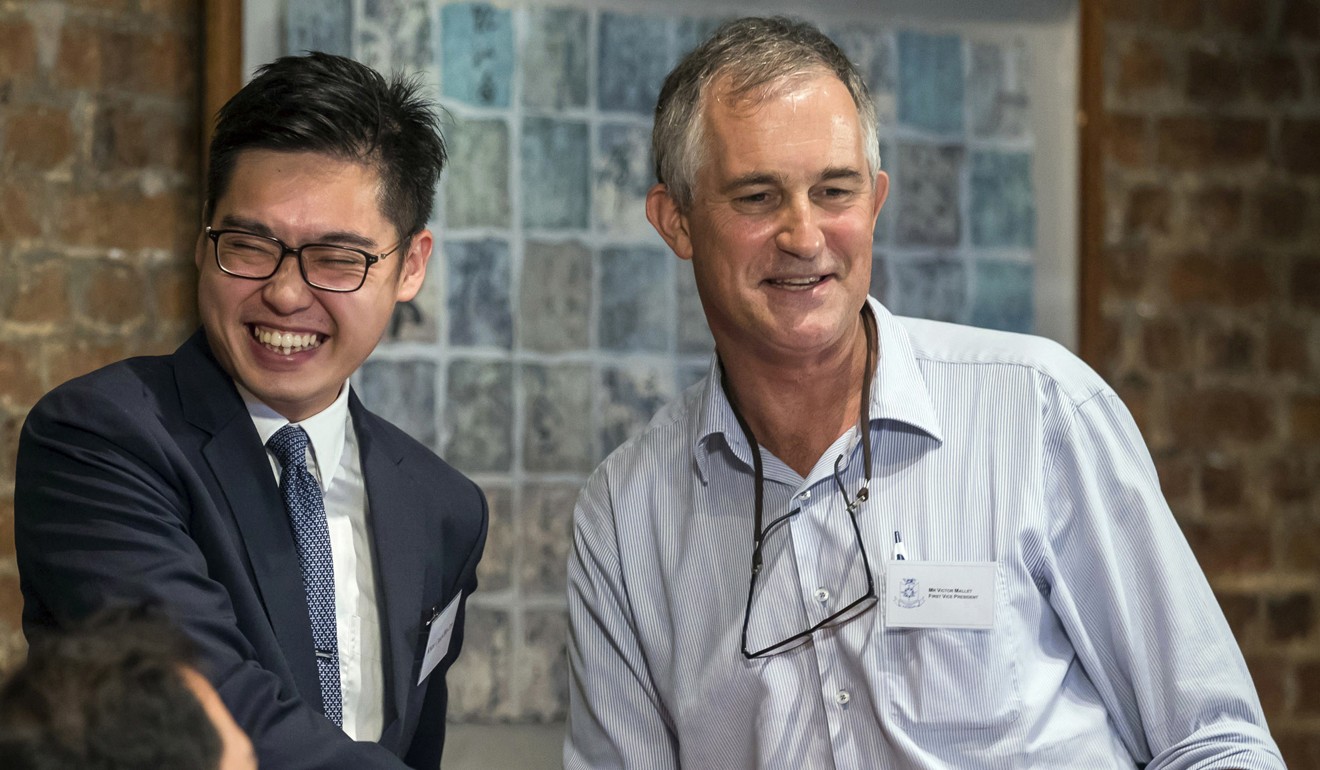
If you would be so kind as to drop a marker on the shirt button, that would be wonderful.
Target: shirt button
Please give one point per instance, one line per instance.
(806, 495)
(842, 697)
(822, 595)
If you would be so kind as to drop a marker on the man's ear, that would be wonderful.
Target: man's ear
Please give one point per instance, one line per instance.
(663, 212)
(413, 271)
(881, 193)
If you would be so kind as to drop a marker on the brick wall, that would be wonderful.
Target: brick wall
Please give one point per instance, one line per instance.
(1209, 303)
(99, 122)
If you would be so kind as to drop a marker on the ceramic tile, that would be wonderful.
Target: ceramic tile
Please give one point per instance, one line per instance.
(395, 35)
(477, 179)
(623, 174)
(478, 275)
(318, 25)
(543, 667)
(693, 333)
(628, 399)
(634, 58)
(495, 570)
(874, 52)
(928, 194)
(479, 416)
(557, 428)
(1003, 296)
(479, 682)
(1003, 205)
(997, 101)
(547, 536)
(402, 392)
(636, 299)
(933, 287)
(554, 59)
(554, 173)
(555, 312)
(930, 81)
(477, 53)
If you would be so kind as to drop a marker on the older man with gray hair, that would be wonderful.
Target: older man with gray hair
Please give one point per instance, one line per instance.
(864, 541)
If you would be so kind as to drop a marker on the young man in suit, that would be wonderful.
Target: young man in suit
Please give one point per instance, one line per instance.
(318, 557)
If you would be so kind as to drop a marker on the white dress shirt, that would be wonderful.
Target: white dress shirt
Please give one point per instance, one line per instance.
(336, 463)
(1108, 648)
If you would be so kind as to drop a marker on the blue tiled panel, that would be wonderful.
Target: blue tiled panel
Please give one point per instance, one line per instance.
(884, 224)
(555, 309)
(477, 179)
(693, 333)
(1003, 296)
(1003, 210)
(872, 51)
(319, 25)
(997, 102)
(554, 59)
(635, 299)
(402, 392)
(628, 399)
(928, 192)
(477, 54)
(693, 31)
(554, 173)
(478, 302)
(635, 56)
(557, 411)
(623, 175)
(930, 81)
(879, 274)
(479, 416)
(395, 35)
(416, 320)
(930, 287)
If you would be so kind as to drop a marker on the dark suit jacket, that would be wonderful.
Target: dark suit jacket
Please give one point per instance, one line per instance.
(146, 479)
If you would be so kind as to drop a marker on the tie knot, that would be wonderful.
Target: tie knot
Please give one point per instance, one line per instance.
(289, 445)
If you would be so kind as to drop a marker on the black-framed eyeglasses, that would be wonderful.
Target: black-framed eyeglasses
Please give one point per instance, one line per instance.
(854, 607)
(322, 265)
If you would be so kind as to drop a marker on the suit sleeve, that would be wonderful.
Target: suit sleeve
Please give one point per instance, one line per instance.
(615, 717)
(1138, 609)
(103, 515)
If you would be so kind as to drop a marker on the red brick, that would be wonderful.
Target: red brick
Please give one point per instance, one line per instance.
(1222, 486)
(1290, 617)
(1125, 139)
(38, 138)
(1300, 747)
(1246, 17)
(1231, 349)
(1126, 268)
(1301, 549)
(1246, 281)
(10, 425)
(1218, 417)
(1213, 77)
(41, 294)
(1176, 474)
(1304, 284)
(150, 61)
(1304, 414)
(1163, 344)
(1281, 211)
(176, 294)
(1126, 10)
(1195, 278)
(1308, 688)
(64, 361)
(1134, 391)
(1229, 548)
(1270, 674)
(19, 376)
(114, 295)
(1147, 211)
(122, 219)
(1179, 15)
(1142, 68)
(11, 602)
(6, 527)
(1275, 77)
(1217, 211)
(18, 49)
(1300, 19)
(1298, 140)
(1291, 482)
(1205, 142)
(1286, 351)
(17, 217)
(1242, 611)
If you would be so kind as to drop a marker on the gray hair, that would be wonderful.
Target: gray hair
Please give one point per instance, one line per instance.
(754, 55)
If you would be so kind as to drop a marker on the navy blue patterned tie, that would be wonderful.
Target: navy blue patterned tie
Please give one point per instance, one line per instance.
(306, 507)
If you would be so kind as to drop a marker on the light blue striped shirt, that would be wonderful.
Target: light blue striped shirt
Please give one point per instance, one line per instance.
(1108, 647)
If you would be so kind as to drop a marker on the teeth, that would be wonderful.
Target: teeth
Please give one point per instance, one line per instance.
(799, 281)
(285, 342)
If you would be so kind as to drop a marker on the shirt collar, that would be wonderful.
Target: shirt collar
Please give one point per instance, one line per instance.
(325, 430)
(898, 393)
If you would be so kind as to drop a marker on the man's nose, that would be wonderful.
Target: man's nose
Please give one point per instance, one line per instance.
(800, 233)
(286, 291)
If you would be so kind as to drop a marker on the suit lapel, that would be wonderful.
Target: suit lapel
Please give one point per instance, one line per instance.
(236, 457)
(399, 537)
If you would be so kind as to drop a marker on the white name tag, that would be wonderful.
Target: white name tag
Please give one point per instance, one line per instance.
(935, 594)
(437, 641)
